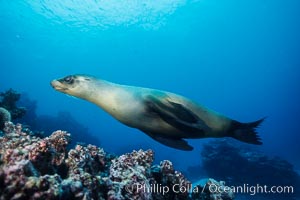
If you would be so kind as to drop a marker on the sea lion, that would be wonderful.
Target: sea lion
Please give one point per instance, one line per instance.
(166, 117)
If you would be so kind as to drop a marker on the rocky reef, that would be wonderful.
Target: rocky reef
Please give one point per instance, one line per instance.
(21, 108)
(8, 100)
(42, 168)
(8, 107)
(4, 117)
(238, 164)
(212, 189)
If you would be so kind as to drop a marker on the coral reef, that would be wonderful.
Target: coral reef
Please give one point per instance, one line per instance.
(4, 117)
(8, 100)
(41, 168)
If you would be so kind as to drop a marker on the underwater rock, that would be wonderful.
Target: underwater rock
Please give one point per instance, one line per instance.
(239, 165)
(87, 171)
(212, 189)
(128, 172)
(4, 117)
(165, 175)
(24, 160)
(8, 100)
(35, 168)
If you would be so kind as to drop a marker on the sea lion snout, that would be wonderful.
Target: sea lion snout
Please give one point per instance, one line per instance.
(74, 85)
(57, 85)
(54, 83)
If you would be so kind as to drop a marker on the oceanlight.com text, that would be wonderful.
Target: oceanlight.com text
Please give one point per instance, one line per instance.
(251, 189)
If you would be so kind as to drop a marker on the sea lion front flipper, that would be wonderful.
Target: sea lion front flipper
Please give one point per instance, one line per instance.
(177, 143)
(177, 115)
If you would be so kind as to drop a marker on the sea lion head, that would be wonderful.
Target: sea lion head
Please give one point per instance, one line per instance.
(75, 85)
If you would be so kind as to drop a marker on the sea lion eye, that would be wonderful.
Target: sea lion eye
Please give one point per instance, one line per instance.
(69, 79)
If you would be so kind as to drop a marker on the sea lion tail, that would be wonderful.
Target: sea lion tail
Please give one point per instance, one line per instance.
(246, 132)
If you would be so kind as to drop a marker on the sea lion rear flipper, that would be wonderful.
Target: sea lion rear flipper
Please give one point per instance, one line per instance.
(177, 143)
(245, 132)
(177, 115)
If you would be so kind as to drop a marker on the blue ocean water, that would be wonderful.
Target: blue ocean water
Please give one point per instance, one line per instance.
(240, 58)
